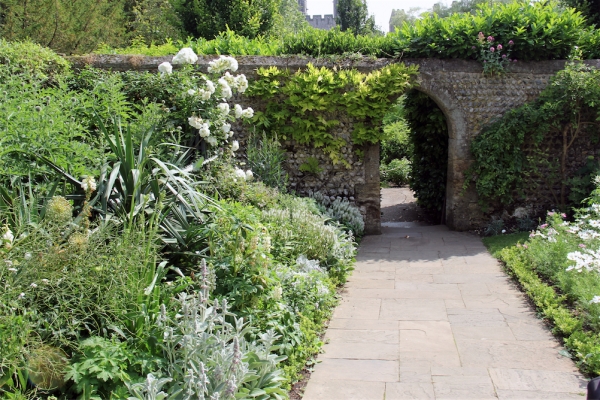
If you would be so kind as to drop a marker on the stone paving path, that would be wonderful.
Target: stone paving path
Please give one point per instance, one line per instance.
(429, 314)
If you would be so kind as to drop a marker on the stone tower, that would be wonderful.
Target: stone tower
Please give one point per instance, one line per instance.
(302, 6)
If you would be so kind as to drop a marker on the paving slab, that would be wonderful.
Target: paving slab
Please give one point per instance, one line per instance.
(430, 314)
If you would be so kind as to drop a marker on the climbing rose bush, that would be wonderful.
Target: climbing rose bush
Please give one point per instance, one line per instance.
(213, 116)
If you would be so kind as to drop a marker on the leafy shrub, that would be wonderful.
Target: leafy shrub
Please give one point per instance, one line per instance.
(429, 139)
(342, 211)
(506, 172)
(396, 172)
(32, 60)
(306, 105)
(540, 31)
(560, 255)
(265, 159)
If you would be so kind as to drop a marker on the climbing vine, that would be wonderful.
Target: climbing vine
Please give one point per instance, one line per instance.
(305, 106)
(429, 139)
(534, 148)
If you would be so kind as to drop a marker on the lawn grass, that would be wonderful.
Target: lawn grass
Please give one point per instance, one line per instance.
(496, 244)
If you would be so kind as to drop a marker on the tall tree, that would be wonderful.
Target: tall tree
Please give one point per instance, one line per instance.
(353, 15)
(289, 19)
(208, 18)
(66, 26)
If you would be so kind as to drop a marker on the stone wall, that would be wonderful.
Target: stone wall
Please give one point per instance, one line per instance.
(468, 99)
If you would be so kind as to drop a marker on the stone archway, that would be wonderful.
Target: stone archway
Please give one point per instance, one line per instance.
(468, 99)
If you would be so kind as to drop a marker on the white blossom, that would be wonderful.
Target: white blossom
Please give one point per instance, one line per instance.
(204, 94)
(22, 295)
(13, 270)
(196, 122)
(204, 130)
(221, 64)
(595, 299)
(226, 127)
(226, 92)
(165, 68)
(33, 285)
(45, 281)
(588, 234)
(8, 235)
(248, 113)
(88, 184)
(235, 146)
(238, 110)
(191, 92)
(210, 86)
(249, 175)
(211, 140)
(185, 56)
(27, 256)
(223, 108)
(241, 83)
(240, 173)
(586, 259)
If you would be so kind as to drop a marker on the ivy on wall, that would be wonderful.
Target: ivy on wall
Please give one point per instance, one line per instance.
(429, 139)
(305, 105)
(532, 149)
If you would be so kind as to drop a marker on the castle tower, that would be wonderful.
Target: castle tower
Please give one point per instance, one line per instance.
(302, 6)
(335, 4)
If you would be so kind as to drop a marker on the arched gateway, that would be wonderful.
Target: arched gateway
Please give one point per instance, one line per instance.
(468, 99)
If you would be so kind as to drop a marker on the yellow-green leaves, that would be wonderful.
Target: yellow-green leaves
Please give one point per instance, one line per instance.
(306, 106)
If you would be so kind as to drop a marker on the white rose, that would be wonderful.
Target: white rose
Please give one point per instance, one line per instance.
(223, 108)
(249, 175)
(240, 173)
(185, 56)
(191, 92)
(226, 127)
(210, 86)
(235, 146)
(204, 130)
(165, 68)
(211, 140)
(204, 94)
(8, 235)
(238, 111)
(196, 122)
(248, 113)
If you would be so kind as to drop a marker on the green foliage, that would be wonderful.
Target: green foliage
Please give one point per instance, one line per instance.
(154, 21)
(540, 31)
(304, 106)
(563, 296)
(429, 138)
(206, 19)
(493, 55)
(495, 244)
(396, 143)
(289, 19)
(589, 8)
(515, 153)
(100, 367)
(31, 61)
(463, 6)
(401, 17)
(266, 160)
(353, 16)
(311, 166)
(63, 25)
(343, 212)
(397, 172)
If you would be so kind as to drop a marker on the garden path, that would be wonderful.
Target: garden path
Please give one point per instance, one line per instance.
(428, 313)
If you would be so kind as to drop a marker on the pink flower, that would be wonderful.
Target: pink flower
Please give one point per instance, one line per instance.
(583, 246)
(525, 246)
(503, 55)
(510, 42)
(544, 226)
(490, 38)
(499, 47)
(515, 60)
(550, 213)
(563, 215)
(492, 49)
(473, 47)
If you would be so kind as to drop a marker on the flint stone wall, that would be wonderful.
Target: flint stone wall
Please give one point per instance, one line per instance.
(468, 99)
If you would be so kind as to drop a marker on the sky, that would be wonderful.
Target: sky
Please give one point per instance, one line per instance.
(382, 9)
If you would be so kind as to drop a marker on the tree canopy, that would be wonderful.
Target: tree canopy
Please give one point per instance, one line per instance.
(353, 15)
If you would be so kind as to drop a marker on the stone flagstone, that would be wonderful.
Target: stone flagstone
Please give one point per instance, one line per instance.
(429, 314)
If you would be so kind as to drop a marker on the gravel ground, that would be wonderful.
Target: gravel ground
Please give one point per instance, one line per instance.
(398, 204)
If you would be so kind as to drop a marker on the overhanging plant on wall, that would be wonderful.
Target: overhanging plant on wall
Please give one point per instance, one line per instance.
(305, 105)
